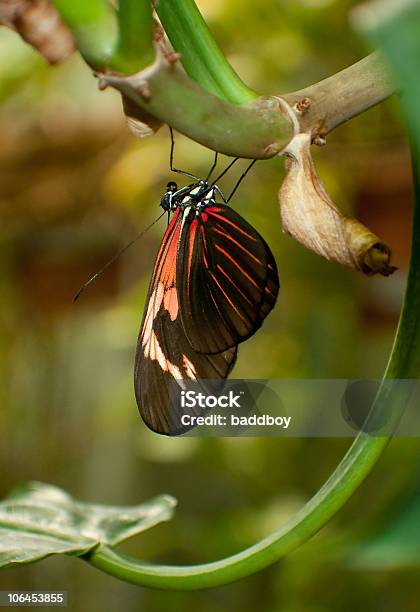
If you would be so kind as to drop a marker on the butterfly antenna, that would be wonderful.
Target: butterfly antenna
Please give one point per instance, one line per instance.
(241, 178)
(114, 259)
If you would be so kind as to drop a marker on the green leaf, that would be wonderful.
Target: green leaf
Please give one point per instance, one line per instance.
(38, 520)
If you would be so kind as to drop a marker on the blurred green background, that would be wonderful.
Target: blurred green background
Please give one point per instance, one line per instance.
(74, 187)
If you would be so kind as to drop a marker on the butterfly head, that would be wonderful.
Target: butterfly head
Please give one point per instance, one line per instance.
(196, 196)
(171, 187)
(166, 200)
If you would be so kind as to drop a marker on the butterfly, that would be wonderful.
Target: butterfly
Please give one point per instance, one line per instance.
(214, 281)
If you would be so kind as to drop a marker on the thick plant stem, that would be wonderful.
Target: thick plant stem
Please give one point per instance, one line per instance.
(259, 129)
(344, 95)
(200, 55)
(93, 26)
(192, 105)
(134, 50)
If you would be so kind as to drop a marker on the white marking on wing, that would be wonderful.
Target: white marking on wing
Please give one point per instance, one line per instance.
(189, 368)
(152, 310)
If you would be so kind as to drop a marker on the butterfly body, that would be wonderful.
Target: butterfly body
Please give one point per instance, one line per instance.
(214, 282)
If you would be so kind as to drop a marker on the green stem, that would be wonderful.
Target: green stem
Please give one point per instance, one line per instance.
(93, 26)
(350, 473)
(256, 130)
(134, 50)
(344, 95)
(201, 56)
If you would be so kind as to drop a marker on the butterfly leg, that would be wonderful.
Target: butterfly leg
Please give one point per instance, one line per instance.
(171, 160)
(222, 195)
(213, 167)
(241, 178)
(228, 167)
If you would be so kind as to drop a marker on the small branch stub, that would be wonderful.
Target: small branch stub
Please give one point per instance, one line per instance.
(302, 106)
(319, 140)
(310, 216)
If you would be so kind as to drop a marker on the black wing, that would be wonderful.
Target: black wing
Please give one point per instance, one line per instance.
(229, 279)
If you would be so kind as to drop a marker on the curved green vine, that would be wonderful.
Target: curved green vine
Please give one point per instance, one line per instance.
(404, 363)
(353, 469)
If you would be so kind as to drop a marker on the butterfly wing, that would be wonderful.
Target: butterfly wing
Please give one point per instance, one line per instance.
(164, 357)
(229, 279)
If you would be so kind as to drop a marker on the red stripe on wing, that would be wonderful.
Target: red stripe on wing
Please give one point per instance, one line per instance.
(238, 244)
(235, 263)
(228, 267)
(229, 222)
